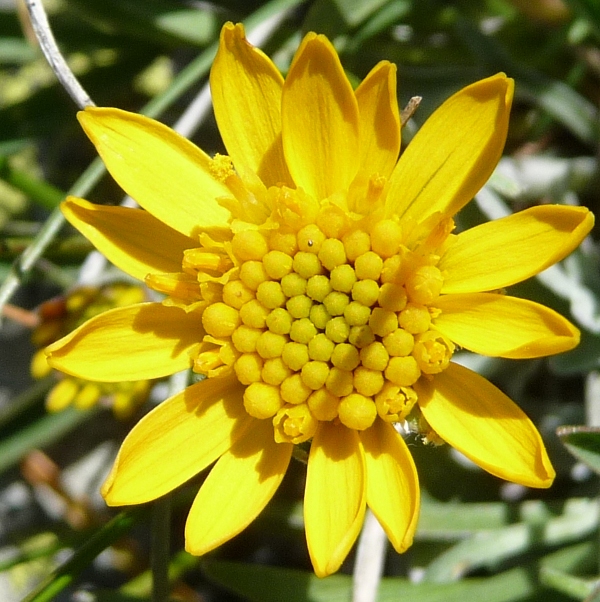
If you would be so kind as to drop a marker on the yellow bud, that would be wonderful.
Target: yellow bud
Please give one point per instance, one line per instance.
(374, 356)
(357, 412)
(248, 368)
(220, 320)
(339, 382)
(356, 313)
(277, 264)
(294, 355)
(302, 331)
(332, 253)
(62, 394)
(345, 357)
(368, 266)
(293, 284)
(342, 278)
(262, 400)
(356, 243)
(249, 245)
(87, 396)
(361, 336)
(386, 237)
(367, 382)
(252, 274)
(236, 293)
(279, 321)
(383, 321)
(270, 345)
(323, 404)
(392, 297)
(319, 316)
(275, 371)
(299, 306)
(254, 314)
(394, 403)
(433, 352)
(270, 295)
(399, 343)
(424, 284)
(415, 318)
(286, 243)
(294, 390)
(310, 239)
(307, 264)
(314, 374)
(337, 329)
(365, 292)
(335, 303)
(318, 287)
(320, 348)
(403, 371)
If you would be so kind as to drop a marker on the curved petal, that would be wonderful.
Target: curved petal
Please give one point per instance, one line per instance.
(392, 483)
(508, 250)
(454, 153)
(132, 239)
(237, 489)
(246, 92)
(320, 123)
(176, 440)
(148, 340)
(334, 501)
(379, 120)
(476, 418)
(166, 174)
(501, 326)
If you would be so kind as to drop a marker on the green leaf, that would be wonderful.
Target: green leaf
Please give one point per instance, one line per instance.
(574, 587)
(271, 584)
(583, 442)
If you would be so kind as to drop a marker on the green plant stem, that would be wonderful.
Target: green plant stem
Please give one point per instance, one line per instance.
(65, 574)
(161, 530)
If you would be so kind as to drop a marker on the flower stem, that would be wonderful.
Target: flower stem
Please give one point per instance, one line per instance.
(161, 523)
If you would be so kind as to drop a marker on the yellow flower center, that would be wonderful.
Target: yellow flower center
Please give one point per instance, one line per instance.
(328, 320)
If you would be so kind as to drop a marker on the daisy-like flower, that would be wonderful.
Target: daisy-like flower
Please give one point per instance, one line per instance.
(313, 278)
(60, 316)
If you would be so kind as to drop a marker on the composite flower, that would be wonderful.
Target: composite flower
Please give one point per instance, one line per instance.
(313, 278)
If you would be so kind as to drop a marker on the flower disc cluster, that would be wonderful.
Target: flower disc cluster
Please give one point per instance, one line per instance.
(314, 279)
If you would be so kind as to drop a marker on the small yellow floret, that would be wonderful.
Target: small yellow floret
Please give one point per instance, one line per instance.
(342, 278)
(254, 314)
(339, 382)
(310, 239)
(367, 382)
(236, 293)
(220, 320)
(248, 368)
(295, 355)
(249, 244)
(356, 244)
(318, 287)
(345, 357)
(394, 403)
(361, 336)
(294, 390)
(374, 356)
(299, 306)
(399, 343)
(332, 253)
(293, 284)
(252, 274)
(62, 395)
(269, 293)
(244, 338)
(392, 297)
(392, 270)
(262, 400)
(323, 404)
(335, 303)
(383, 321)
(270, 345)
(319, 316)
(368, 266)
(275, 371)
(279, 321)
(320, 348)
(314, 374)
(303, 330)
(356, 313)
(286, 243)
(357, 412)
(365, 292)
(337, 329)
(307, 264)
(277, 264)
(294, 424)
(424, 284)
(415, 318)
(432, 352)
(386, 237)
(403, 371)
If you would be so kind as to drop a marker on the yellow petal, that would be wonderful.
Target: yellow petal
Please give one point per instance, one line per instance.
(392, 483)
(508, 250)
(239, 486)
(379, 120)
(177, 440)
(141, 341)
(334, 501)
(454, 153)
(480, 421)
(501, 326)
(132, 239)
(246, 93)
(319, 120)
(165, 173)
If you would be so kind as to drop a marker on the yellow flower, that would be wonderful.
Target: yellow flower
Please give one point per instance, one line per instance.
(60, 316)
(313, 278)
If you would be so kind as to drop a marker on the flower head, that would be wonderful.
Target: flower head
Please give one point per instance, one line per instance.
(314, 279)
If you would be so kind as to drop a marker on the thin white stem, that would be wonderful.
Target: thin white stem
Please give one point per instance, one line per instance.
(370, 557)
(43, 33)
